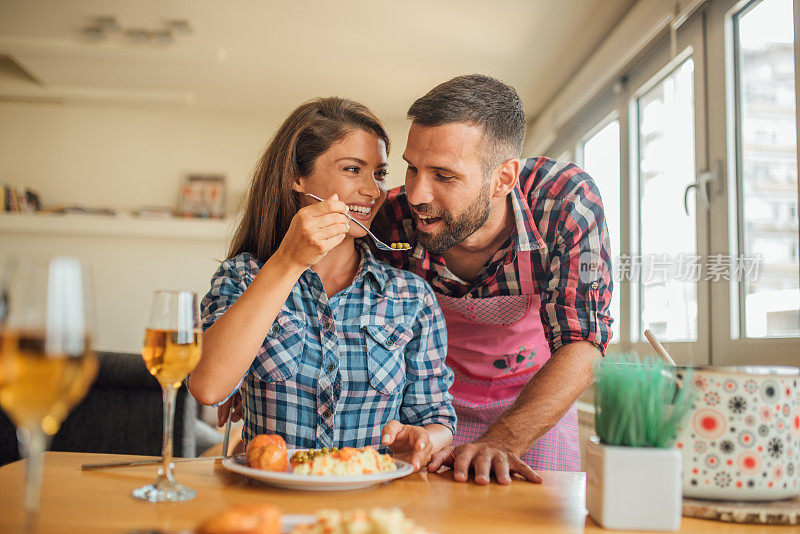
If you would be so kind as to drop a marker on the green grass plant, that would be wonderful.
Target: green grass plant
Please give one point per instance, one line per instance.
(639, 403)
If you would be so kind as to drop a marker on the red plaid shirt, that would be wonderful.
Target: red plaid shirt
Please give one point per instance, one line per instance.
(560, 223)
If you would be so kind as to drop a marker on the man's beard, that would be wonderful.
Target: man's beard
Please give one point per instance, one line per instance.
(456, 229)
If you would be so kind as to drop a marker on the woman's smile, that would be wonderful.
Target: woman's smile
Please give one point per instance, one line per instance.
(361, 211)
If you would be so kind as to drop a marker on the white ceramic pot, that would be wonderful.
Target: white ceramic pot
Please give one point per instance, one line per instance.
(741, 440)
(633, 488)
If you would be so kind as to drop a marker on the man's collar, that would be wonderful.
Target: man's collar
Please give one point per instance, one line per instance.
(527, 234)
(526, 238)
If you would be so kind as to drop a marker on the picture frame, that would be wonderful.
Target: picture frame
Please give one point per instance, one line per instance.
(203, 196)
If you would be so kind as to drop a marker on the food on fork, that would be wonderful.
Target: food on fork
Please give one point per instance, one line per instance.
(244, 519)
(347, 461)
(374, 521)
(400, 246)
(268, 452)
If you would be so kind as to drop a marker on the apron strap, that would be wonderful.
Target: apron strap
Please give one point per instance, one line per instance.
(526, 285)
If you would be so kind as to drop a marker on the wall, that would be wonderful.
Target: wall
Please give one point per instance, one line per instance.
(637, 29)
(125, 271)
(124, 157)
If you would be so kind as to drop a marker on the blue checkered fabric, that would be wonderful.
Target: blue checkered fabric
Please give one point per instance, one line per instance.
(333, 371)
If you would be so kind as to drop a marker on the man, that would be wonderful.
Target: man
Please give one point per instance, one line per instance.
(518, 255)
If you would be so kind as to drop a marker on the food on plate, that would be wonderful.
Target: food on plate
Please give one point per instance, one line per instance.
(307, 455)
(244, 519)
(374, 521)
(400, 246)
(267, 451)
(347, 461)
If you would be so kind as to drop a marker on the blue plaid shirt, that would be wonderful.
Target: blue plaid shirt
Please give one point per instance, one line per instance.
(333, 371)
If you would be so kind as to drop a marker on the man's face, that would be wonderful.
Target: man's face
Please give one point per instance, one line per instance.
(445, 183)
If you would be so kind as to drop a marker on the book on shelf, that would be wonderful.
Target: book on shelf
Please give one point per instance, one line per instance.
(17, 199)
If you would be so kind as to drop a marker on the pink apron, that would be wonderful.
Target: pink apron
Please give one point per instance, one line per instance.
(495, 346)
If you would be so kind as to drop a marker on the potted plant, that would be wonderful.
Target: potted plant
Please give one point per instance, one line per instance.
(633, 469)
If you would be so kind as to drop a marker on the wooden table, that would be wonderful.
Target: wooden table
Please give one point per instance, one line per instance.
(100, 501)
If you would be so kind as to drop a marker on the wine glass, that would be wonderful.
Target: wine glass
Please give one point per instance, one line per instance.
(171, 350)
(46, 363)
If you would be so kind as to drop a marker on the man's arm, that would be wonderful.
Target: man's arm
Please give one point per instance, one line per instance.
(545, 399)
(539, 406)
(575, 292)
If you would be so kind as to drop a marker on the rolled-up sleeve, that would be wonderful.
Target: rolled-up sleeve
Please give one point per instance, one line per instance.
(576, 292)
(426, 399)
(227, 285)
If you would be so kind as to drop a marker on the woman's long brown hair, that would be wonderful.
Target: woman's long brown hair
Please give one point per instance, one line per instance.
(308, 132)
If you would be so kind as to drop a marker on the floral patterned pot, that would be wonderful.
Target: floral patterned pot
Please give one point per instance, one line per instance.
(741, 440)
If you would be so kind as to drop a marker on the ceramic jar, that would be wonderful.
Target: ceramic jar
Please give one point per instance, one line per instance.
(741, 440)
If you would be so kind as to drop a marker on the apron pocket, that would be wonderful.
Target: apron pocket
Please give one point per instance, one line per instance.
(386, 356)
(279, 356)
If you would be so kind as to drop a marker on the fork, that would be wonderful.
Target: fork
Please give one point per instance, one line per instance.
(378, 243)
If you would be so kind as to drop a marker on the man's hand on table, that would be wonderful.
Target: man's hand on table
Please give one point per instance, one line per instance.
(408, 442)
(484, 458)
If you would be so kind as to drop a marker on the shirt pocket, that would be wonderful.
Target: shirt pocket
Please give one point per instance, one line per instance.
(279, 356)
(386, 364)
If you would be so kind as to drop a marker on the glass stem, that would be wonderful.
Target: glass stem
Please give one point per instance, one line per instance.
(32, 444)
(169, 393)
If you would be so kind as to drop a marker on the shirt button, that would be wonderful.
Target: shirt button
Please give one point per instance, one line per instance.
(274, 330)
(331, 367)
(327, 324)
(326, 414)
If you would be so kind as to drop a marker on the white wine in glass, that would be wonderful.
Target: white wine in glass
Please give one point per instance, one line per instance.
(46, 361)
(170, 351)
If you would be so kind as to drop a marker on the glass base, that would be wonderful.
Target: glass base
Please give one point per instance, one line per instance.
(163, 491)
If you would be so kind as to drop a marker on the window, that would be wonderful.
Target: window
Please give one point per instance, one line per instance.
(766, 140)
(601, 159)
(694, 149)
(667, 235)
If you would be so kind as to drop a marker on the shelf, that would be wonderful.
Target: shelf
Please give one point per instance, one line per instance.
(116, 226)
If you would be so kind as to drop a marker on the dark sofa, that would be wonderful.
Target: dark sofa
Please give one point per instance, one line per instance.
(121, 414)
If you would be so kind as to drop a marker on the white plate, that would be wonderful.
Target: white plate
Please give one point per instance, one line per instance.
(287, 480)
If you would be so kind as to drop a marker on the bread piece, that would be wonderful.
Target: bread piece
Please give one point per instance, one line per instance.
(244, 519)
(268, 452)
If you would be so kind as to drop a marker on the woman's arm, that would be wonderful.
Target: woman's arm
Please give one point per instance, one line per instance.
(231, 343)
(440, 436)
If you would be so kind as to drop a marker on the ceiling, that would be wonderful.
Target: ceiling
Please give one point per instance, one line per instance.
(266, 57)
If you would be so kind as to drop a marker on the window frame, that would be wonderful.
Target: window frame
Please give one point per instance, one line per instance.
(644, 75)
(716, 140)
(730, 346)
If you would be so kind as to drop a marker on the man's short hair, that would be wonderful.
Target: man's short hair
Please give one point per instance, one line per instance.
(481, 101)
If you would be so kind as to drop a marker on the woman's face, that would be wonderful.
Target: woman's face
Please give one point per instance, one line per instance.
(354, 168)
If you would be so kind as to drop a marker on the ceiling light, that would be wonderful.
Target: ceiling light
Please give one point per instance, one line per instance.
(94, 33)
(137, 36)
(108, 24)
(162, 36)
(180, 26)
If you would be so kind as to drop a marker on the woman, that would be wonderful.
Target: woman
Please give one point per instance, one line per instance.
(330, 347)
